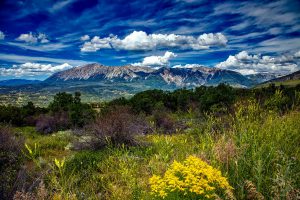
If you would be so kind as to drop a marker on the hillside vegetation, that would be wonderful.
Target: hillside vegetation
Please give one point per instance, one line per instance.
(207, 143)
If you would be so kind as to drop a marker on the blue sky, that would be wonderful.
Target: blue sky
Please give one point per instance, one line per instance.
(38, 38)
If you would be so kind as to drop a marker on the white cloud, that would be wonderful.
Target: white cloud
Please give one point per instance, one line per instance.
(157, 60)
(29, 38)
(85, 38)
(211, 39)
(188, 66)
(139, 40)
(33, 38)
(2, 36)
(245, 63)
(33, 69)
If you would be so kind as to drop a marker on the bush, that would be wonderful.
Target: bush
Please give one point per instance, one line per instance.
(164, 123)
(79, 113)
(51, 123)
(278, 102)
(117, 127)
(10, 161)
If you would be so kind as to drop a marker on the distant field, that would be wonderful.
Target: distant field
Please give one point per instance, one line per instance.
(90, 92)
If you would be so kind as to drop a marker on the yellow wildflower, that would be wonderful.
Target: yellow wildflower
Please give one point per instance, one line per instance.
(192, 177)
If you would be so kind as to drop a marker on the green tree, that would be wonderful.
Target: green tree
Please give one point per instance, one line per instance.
(61, 102)
(220, 97)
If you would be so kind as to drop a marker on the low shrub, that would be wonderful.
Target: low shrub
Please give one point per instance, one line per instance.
(51, 123)
(10, 161)
(278, 102)
(118, 127)
(165, 123)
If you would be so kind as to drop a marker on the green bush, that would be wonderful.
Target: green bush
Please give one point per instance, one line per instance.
(277, 102)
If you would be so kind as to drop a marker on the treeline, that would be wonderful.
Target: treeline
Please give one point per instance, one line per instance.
(67, 111)
(64, 112)
(209, 99)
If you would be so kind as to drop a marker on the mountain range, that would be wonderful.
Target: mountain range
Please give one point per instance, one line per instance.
(98, 82)
(166, 77)
(17, 82)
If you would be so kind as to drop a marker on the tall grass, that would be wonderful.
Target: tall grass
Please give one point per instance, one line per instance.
(258, 151)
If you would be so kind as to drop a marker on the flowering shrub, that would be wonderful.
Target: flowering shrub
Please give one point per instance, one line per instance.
(194, 179)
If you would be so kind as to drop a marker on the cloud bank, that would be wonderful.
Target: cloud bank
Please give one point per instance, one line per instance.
(33, 69)
(140, 40)
(245, 63)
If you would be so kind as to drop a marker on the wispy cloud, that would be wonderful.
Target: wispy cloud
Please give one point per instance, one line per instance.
(23, 59)
(42, 48)
(60, 5)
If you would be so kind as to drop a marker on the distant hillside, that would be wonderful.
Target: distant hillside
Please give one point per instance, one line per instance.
(17, 82)
(293, 76)
(288, 80)
(262, 77)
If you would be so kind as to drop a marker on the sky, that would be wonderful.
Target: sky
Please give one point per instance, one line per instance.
(39, 38)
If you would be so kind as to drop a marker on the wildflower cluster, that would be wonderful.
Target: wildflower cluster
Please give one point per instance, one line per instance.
(194, 178)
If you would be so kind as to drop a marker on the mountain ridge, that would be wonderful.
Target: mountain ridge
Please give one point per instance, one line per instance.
(293, 76)
(180, 77)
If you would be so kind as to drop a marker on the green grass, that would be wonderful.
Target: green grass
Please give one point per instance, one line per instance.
(253, 145)
(49, 146)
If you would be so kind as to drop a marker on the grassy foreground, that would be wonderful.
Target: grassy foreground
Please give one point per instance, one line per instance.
(257, 151)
